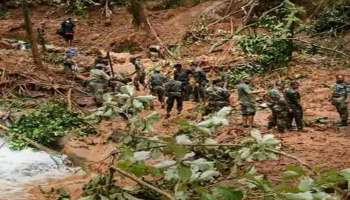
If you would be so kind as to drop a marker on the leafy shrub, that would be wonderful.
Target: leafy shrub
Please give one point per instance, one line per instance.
(54, 58)
(78, 7)
(273, 47)
(333, 21)
(237, 73)
(45, 125)
(269, 49)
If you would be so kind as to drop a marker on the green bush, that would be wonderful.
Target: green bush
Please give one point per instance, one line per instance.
(45, 125)
(333, 21)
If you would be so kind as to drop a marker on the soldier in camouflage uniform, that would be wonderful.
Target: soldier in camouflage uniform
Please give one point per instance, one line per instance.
(201, 81)
(339, 99)
(281, 110)
(275, 92)
(293, 98)
(98, 82)
(247, 102)
(183, 75)
(157, 81)
(173, 91)
(217, 98)
(140, 72)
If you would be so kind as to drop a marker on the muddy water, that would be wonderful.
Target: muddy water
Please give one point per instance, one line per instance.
(18, 169)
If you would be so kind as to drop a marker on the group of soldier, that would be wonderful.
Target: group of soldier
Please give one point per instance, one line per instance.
(192, 83)
(185, 84)
(285, 104)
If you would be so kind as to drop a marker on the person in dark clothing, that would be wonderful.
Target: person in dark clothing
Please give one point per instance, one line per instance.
(67, 31)
(157, 81)
(201, 81)
(293, 98)
(183, 75)
(173, 91)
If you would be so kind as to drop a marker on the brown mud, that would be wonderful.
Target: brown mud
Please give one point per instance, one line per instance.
(323, 146)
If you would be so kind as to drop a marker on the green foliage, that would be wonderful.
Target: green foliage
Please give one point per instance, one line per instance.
(268, 49)
(54, 58)
(3, 13)
(334, 20)
(299, 185)
(239, 72)
(273, 48)
(79, 7)
(45, 125)
(103, 188)
(126, 104)
(193, 159)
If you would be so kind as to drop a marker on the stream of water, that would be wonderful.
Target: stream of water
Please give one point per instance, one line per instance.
(27, 167)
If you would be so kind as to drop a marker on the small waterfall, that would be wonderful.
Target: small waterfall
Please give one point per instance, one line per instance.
(20, 168)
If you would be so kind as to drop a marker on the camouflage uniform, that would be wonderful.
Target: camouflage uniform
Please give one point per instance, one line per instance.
(200, 84)
(140, 77)
(157, 81)
(98, 81)
(173, 90)
(281, 110)
(339, 100)
(183, 75)
(217, 97)
(293, 99)
(273, 95)
(101, 62)
(246, 99)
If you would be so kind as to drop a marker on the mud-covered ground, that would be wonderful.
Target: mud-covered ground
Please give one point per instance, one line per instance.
(321, 145)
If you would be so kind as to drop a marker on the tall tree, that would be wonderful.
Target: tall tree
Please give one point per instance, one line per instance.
(30, 34)
(137, 10)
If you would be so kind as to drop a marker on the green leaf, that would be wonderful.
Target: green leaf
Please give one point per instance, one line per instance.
(145, 99)
(178, 150)
(299, 196)
(306, 184)
(128, 89)
(183, 139)
(227, 193)
(185, 172)
(142, 155)
(255, 133)
(345, 173)
(207, 196)
(90, 197)
(209, 175)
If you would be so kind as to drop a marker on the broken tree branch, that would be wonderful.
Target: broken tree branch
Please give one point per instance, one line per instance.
(321, 47)
(307, 166)
(153, 31)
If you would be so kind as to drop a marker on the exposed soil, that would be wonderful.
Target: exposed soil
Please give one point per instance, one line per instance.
(321, 145)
